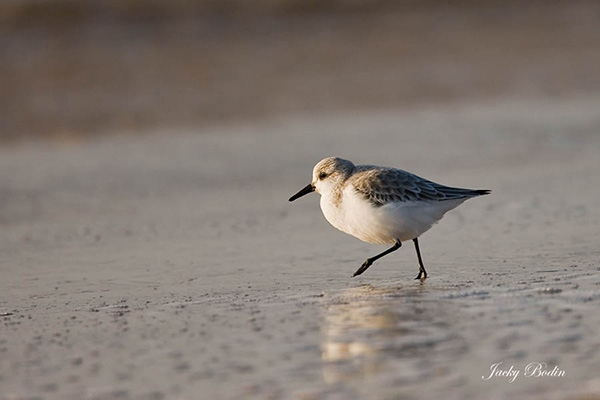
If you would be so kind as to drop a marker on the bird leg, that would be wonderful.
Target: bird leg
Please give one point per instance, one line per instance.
(422, 271)
(371, 260)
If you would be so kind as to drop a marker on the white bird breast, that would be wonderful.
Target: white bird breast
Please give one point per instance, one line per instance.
(385, 224)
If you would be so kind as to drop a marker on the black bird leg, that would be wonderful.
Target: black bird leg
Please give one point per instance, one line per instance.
(422, 271)
(371, 260)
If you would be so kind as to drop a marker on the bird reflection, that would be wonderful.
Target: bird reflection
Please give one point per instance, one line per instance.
(367, 328)
(351, 324)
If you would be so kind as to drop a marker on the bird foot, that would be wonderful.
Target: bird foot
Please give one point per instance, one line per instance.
(422, 276)
(362, 268)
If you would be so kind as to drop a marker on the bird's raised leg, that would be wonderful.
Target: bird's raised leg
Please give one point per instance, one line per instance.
(371, 260)
(422, 273)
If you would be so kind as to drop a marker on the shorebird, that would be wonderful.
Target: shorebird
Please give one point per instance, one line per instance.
(381, 205)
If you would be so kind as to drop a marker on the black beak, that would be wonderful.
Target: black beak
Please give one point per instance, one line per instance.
(306, 190)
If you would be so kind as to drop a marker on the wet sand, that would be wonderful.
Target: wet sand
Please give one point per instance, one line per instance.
(172, 266)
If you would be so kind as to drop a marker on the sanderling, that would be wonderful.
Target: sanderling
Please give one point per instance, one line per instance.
(381, 205)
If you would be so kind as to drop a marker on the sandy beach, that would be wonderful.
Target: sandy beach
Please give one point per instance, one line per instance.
(173, 267)
(148, 150)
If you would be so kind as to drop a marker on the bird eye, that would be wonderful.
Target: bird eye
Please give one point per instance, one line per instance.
(322, 175)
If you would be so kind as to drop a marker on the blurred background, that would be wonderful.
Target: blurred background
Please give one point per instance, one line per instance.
(148, 149)
(71, 69)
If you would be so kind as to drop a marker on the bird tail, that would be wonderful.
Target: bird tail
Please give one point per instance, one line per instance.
(451, 193)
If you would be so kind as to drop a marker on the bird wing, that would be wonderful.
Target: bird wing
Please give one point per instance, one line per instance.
(385, 185)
